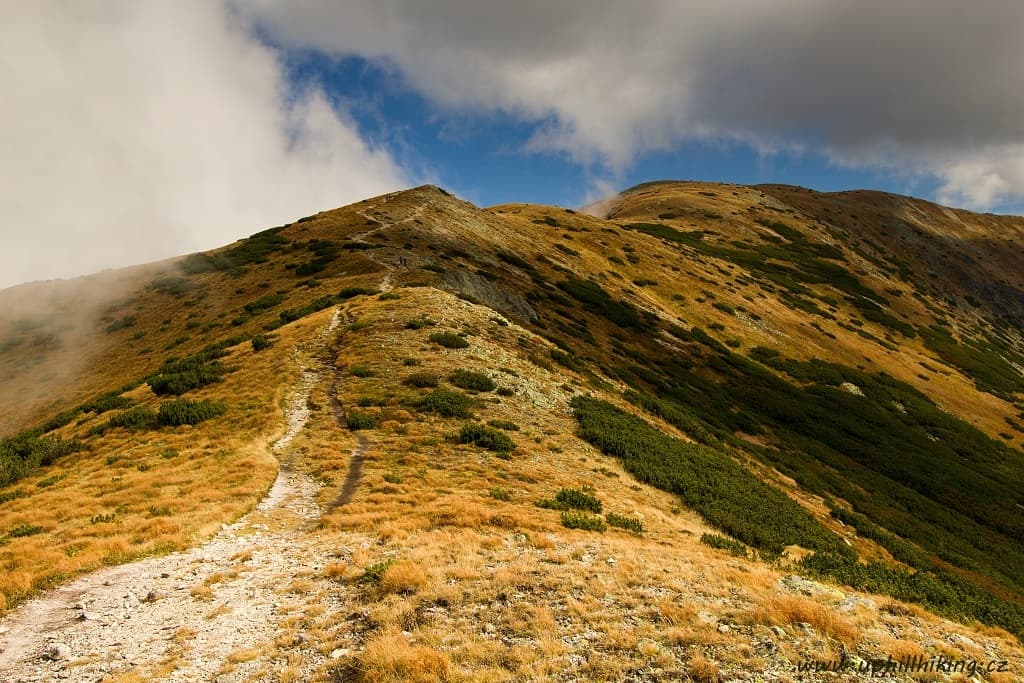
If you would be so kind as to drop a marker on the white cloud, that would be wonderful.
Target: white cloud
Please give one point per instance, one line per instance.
(134, 130)
(982, 180)
(913, 86)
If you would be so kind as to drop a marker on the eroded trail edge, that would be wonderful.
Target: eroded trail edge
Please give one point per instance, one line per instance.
(355, 467)
(181, 616)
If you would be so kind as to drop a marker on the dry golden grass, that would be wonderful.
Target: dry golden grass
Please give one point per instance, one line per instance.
(242, 557)
(336, 570)
(675, 614)
(244, 655)
(219, 611)
(703, 670)
(902, 650)
(202, 592)
(390, 658)
(219, 577)
(79, 359)
(404, 577)
(487, 589)
(788, 610)
(292, 673)
(480, 551)
(129, 677)
(183, 634)
(162, 490)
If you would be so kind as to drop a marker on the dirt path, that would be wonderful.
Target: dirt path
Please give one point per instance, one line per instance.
(365, 213)
(192, 612)
(355, 473)
(392, 271)
(355, 467)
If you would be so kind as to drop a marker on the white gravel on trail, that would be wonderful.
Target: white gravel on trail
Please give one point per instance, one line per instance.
(142, 613)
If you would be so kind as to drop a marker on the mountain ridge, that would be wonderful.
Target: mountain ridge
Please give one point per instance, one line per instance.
(708, 344)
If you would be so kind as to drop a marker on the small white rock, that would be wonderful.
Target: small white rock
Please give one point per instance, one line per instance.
(57, 652)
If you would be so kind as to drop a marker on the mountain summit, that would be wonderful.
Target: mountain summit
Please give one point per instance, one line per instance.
(700, 431)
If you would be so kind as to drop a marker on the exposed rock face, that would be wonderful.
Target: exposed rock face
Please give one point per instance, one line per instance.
(489, 293)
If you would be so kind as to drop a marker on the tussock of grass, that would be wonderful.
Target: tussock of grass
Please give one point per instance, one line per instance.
(500, 494)
(421, 380)
(390, 658)
(403, 577)
(787, 610)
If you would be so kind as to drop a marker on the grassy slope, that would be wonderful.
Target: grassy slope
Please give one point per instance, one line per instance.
(630, 331)
(461, 552)
(755, 281)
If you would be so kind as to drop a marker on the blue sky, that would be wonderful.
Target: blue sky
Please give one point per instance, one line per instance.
(136, 131)
(484, 157)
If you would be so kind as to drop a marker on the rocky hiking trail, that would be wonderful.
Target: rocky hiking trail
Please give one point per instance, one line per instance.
(392, 270)
(199, 614)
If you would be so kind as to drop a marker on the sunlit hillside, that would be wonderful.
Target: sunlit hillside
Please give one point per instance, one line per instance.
(697, 430)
